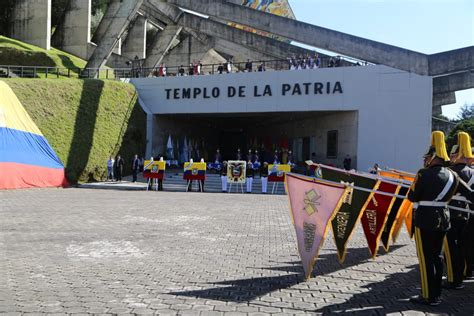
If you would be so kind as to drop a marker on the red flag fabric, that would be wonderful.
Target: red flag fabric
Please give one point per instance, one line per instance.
(313, 204)
(375, 215)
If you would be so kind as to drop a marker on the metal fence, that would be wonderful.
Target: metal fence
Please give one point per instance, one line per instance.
(137, 71)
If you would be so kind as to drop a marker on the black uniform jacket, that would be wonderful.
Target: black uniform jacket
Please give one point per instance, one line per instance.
(264, 171)
(465, 173)
(429, 183)
(224, 170)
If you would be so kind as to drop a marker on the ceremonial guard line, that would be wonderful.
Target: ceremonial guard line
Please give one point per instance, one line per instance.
(434, 204)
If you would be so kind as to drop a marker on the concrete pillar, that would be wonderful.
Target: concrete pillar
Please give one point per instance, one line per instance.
(187, 51)
(161, 45)
(135, 43)
(31, 22)
(74, 34)
(115, 29)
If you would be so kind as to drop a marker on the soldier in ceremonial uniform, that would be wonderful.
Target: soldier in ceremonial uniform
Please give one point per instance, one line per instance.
(249, 176)
(468, 234)
(264, 177)
(432, 189)
(454, 247)
(224, 176)
(238, 156)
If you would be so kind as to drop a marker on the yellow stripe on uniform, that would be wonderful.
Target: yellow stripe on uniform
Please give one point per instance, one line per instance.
(421, 259)
(449, 263)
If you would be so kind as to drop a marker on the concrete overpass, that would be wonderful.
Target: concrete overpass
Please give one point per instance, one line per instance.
(451, 70)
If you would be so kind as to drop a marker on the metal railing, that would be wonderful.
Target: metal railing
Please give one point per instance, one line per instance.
(11, 71)
(256, 66)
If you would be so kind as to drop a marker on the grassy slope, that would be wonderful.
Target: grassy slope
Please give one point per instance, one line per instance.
(17, 53)
(13, 52)
(85, 121)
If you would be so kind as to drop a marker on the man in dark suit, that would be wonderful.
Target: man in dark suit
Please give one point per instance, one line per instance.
(119, 163)
(135, 167)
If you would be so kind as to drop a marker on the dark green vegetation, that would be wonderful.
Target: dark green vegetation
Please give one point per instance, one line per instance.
(465, 123)
(85, 121)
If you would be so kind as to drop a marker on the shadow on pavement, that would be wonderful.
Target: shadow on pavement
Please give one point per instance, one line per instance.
(328, 263)
(244, 290)
(392, 296)
(249, 289)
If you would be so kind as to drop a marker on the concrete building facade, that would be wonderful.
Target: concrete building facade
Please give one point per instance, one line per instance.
(374, 113)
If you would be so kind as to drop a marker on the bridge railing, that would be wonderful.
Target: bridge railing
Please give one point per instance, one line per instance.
(12, 71)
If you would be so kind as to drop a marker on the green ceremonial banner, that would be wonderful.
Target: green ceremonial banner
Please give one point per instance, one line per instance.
(392, 216)
(353, 206)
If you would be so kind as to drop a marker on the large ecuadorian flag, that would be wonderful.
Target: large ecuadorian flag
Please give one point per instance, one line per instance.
(26, 158)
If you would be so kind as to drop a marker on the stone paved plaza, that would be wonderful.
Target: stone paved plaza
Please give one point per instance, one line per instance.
(81, 251)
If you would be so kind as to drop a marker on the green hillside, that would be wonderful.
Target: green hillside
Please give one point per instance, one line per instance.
(13, 52)
(17, 53)
(85, 121)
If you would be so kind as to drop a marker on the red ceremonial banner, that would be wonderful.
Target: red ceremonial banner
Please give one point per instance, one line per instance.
(376, 213)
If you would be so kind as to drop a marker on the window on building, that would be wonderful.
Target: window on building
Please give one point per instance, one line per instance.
(331, 150)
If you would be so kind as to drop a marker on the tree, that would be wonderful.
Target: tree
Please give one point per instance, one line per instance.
(466, 112)
(465, 124)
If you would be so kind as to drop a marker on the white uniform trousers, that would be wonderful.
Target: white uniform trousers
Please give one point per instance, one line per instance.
(249, 182)
(264, 184)
(224, 183)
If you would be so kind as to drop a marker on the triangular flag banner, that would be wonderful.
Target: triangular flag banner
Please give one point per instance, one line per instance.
(375, 215)
(392, 217)
(26, 158)
(352, 207)
(396, 211)
(313, 204)
(404, 217)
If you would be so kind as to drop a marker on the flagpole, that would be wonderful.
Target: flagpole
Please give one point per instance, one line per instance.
(386, 193)
(402, 183)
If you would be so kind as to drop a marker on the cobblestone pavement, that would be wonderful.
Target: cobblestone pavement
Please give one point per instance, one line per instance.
(83, 251)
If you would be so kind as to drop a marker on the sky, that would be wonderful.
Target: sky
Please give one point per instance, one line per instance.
(426, 26)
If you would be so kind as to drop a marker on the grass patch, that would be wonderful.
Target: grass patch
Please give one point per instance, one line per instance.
(85, 121)
(17, 53)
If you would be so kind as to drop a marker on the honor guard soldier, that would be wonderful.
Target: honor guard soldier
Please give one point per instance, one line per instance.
(264, 177)
(238, 156)
(468, 236)
(224, 176)
(432, 189)
(249, 176)
(454, 247)
(250, 156)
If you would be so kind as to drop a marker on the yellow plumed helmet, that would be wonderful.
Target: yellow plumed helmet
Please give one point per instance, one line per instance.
(438, 146)
(464, 145)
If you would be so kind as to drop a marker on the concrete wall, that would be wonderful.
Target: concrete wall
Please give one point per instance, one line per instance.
(74, 34)
(394, 107)
(31, 22)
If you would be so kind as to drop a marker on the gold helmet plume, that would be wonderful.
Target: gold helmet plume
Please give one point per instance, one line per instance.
(438, 146)
(463, 147)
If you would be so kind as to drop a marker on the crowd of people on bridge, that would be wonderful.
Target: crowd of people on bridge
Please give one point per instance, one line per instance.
(196, 68)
